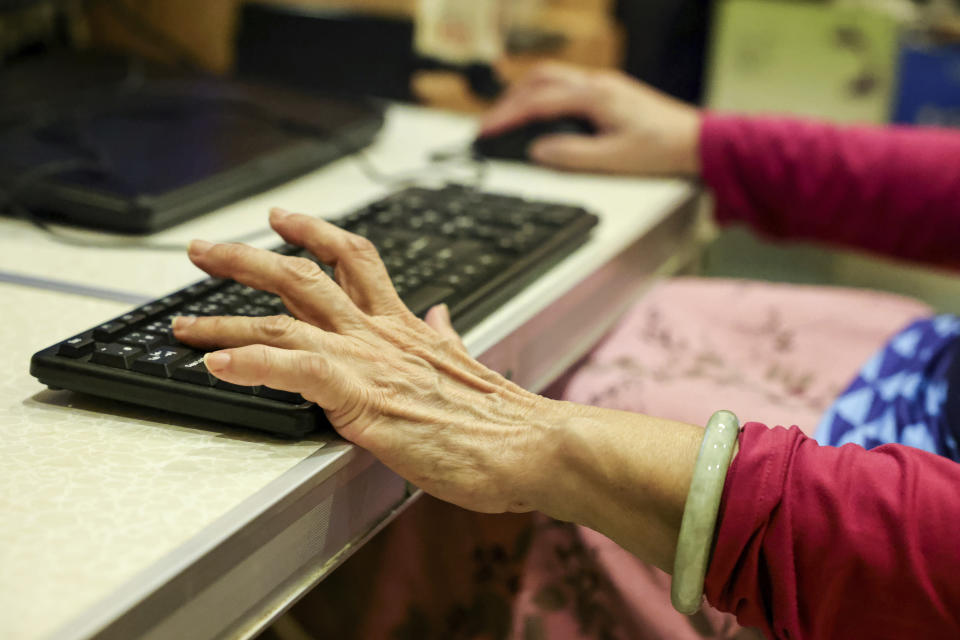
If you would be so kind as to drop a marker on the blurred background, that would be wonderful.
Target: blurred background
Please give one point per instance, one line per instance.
(872, 61)
(852, 61)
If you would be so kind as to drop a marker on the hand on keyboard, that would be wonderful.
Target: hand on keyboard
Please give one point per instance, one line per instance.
(468, 249)
(389, 382)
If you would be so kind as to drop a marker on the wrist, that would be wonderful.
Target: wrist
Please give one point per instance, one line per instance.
(623, 474)
(686, 151)
(553, 474)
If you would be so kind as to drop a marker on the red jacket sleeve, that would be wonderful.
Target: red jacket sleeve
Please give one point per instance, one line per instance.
(894, 191)
(825, 542)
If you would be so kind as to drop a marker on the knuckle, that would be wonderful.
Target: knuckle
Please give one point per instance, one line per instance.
(216, 325)
(231, 254)
(301, 269)
(359, 244)
(371, 399)
(450, 342)
(278, 326)
(263, 361)
(313, 367)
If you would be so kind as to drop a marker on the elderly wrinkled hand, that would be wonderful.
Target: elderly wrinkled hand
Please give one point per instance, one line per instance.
(640, 130)
(404, 389)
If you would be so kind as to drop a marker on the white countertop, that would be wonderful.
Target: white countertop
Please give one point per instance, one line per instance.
(91, 492)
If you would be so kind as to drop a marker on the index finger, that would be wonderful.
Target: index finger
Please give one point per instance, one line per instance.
(304, 288)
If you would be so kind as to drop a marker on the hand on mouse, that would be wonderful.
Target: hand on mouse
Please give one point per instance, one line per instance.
(639, 130)
(406, 390)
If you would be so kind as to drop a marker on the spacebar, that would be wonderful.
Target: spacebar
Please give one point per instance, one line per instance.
(419, 300)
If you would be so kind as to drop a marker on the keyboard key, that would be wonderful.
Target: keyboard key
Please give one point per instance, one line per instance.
(160, 362)
(196, 290)
(132, 318)
(204, 309)
(203, 287)
(254, 310)
(266, 299)
(77, 346)
(193, 370)
(152, 309)
(394, 263)
(240, 289)
(453, 280)
(117, 355)
(171, 301)
(162, 330)
(144, 340)
(109, 331)
(225, 299)
(509, 244)
(490, 261)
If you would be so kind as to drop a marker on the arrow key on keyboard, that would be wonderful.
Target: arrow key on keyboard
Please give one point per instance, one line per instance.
(142, 339)
(160, 362)
(116, 355)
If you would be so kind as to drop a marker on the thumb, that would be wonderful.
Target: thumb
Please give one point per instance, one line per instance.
(576, 152)
(438, 319)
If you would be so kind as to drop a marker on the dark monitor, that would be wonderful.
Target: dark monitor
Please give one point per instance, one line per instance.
(115, 144)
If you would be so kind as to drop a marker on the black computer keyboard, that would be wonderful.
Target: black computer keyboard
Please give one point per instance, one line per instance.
(470, 249)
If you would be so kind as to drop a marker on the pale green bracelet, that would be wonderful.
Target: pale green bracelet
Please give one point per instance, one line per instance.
(700, 511)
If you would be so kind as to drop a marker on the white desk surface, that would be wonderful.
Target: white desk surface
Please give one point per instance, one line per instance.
(96, 498)
(90, 498)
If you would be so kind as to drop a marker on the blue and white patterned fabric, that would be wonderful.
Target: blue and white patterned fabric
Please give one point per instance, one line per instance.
(900, 394)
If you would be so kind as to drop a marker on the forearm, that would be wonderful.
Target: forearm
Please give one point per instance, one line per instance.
(623, 474)
(889, 190)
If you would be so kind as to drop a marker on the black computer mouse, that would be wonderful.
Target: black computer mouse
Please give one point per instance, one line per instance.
(512, 144)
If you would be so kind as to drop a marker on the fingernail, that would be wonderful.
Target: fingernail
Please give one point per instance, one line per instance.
(445, 310)
(182, 322)
(216, 361)
(198, 247)
(279, 213)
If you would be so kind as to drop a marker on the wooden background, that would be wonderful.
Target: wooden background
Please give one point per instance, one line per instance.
(206, 29)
